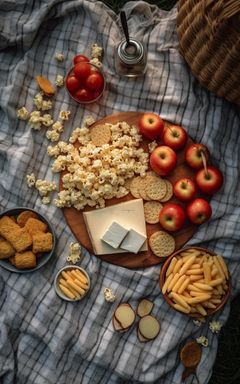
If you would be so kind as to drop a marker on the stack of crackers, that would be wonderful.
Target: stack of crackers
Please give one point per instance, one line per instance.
(154, 190)
(23, 239)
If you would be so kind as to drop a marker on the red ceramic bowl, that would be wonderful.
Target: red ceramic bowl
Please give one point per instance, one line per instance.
(211, 311)
(87, 95)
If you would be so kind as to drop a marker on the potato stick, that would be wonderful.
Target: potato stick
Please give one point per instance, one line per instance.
(218, 266)
(181, 300)
(198, 299)
(178, 283)
(76, 276)
(195, 277)
(167, 281)
(65, 275)
(177, 266)
(192, 287)
(171, 266)
(184, 285)
(194, 271)
(186, 266)
(196, 266)
(223, 265)
(173, 282)
(216, 282)
(206, 272)
(186, 294)
(201, 310)
(75, 286)
(202, 286)
(196, 293)
(181, 309)
(66, 292)
(81, 276)
(81, 285)
(208, 304)
(64, 283)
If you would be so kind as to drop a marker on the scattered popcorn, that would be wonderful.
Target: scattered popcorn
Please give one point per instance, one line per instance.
(52, 135)
(23, 113)
(96, 51)
(58, 126)
(59, 81)
(46, 200)
(152, 146)
(215, 326)
(202, 340)
(44, 187)
(59, 56)
(47, 120)
(89, 120)
(75, 252)
(108, 295)
(35, 120)
(31, 180)
(64, 115)
(42, 104)
(96, 62)
(199, 322)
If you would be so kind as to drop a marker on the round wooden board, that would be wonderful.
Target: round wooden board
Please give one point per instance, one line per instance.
(76, 223)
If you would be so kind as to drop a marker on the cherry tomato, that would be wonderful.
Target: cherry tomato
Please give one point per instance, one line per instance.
(72, 84)
(80, 59)
(82, 70)
(95, 81)
(84, 95)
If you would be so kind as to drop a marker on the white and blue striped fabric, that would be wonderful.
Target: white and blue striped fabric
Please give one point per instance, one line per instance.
(44, 340)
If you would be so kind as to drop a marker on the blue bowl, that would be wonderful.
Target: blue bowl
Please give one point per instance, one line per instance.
(45, 257)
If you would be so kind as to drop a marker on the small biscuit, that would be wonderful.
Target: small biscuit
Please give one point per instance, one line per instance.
(7, 225)
(169, 192)
(151, 211)
(25, 260)
(6, 249)
(20, 239)
(33, 226)
(156, 188)
(23, 217)
(100, 134)
(143, 182)
(42, 242)
(162, 244)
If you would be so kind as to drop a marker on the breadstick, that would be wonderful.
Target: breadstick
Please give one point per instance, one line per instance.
(179, 307)
(167, 281)
(216, 282)
(171, 266)
(173, 282)
(198, 299)
(184, 285)
(206, 272)
(177, 266)
(202, 286)
(201, 310)
(178, 283)
(218, 266)
(181, 300)
(223, 266)
(82, 277)
(66, 292)
(195, 277)
(196, 271)
(75, 286)
(186, 266)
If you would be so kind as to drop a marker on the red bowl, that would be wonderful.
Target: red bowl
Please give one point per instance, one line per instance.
(92, 100)
(211, 311)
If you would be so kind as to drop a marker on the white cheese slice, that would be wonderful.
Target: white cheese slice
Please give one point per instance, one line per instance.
(133, 241)
(129, 214)
(115, 234)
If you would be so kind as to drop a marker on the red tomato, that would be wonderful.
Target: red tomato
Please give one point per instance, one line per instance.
(72, 84)
(82, 70)
(95, 81)
(80, 59)
(84, 95)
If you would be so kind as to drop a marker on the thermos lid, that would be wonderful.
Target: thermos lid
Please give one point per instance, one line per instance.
(131, 53)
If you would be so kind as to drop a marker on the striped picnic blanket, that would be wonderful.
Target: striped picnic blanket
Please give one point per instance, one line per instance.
(44, 340)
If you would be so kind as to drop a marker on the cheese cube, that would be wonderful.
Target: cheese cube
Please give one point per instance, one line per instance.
(114, 235)
(133, 241)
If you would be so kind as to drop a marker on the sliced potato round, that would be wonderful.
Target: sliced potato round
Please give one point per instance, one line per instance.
(141, 338)
(149, 327)
(145, 307)
(125, 315)
(117, 327)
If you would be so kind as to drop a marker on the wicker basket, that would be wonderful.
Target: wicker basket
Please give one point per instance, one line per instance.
(209, 37)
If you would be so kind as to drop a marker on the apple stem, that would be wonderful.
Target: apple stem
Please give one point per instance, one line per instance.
(204, 163)
(169, 127)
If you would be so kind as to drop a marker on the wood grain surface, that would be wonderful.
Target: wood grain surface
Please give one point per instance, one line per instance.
(76, 223)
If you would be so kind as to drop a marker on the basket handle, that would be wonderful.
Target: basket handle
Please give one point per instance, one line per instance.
(220, 11)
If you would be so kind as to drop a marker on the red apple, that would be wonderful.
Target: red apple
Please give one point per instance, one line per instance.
(151, 125)
(184, 189)
(174, 136)
(172, 217)
(163, 160)
(199, 211)
(193, 155)
(209, 180)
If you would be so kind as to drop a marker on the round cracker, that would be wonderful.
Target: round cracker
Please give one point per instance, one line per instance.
(143, 187)
(151, 211)
(156, 188)
(169, 192)
(100, 134)
(162, 244)
(134, 187)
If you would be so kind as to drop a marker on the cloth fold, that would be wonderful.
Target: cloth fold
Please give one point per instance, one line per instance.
(44, 340)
